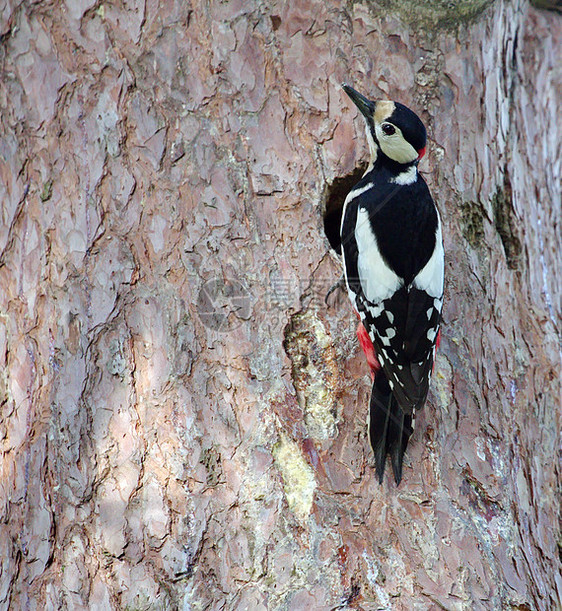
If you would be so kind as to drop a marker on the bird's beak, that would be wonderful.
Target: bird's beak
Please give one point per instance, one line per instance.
(367, 107)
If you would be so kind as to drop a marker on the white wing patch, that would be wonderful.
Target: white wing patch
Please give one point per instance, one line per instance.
(357, 192)
(378, 281)
(350, 196)
(375, 309)
(430, 278)
(390, 333)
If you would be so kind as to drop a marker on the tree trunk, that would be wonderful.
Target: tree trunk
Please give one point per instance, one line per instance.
(183, 418)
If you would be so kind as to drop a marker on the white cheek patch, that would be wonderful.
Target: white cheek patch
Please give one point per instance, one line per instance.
(395, 146)
(378, 281)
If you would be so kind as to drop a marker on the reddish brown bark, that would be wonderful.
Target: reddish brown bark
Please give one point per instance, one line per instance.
(158, 160)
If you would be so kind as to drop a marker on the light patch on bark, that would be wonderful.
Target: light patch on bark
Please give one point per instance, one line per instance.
(375, 578)
(5, 392)
(298, 478)
(442, 380)
(315, 373)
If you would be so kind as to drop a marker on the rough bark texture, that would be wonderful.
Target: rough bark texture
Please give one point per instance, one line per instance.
(159, 454)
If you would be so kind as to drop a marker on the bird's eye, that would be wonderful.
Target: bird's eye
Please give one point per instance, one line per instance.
(388, 129)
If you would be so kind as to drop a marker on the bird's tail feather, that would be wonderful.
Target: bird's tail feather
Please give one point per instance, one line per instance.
(389, 428)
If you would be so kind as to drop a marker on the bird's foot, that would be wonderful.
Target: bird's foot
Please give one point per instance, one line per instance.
(340, 284)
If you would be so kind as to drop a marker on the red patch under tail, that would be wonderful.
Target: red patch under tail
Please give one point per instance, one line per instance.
(368, 349)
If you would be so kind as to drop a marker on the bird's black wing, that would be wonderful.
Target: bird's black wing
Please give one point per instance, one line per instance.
(403, 346)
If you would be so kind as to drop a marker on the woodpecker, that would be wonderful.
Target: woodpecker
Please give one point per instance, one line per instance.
(393, 262)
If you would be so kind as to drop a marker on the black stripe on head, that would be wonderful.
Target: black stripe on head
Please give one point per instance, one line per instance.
(410, 124)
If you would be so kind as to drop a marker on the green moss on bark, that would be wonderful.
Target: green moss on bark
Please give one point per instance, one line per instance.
(435, 14)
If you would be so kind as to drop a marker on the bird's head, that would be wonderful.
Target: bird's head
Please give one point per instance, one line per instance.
(392, 128)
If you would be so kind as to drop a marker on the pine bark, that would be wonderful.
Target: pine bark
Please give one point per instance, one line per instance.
(182, 416)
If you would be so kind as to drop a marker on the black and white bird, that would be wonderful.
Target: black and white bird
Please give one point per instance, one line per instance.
(393, 259)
